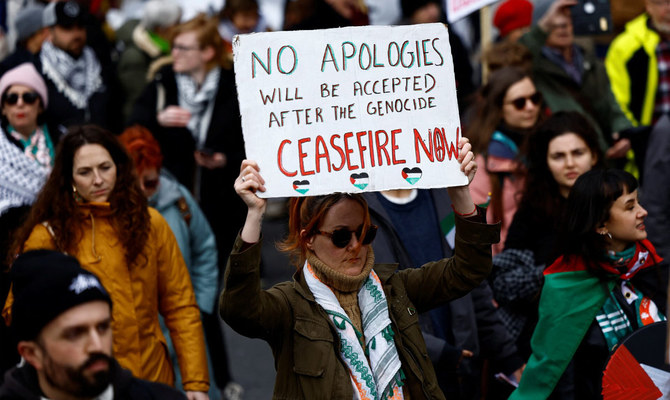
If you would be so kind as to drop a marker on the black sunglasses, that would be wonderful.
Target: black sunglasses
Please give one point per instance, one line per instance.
(520, 102)
(341, 237)
(28, 98)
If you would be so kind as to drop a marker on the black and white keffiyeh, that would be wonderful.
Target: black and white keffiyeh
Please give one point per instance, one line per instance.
(75, 79)
(21, 178)
(199, 101)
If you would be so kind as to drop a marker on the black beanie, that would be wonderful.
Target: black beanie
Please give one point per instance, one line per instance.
(45, 284)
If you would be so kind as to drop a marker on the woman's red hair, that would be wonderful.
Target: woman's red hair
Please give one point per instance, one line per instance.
(142, 148)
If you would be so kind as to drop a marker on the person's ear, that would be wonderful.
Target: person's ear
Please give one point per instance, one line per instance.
(303, 236)
(32, 353)
(208, 53)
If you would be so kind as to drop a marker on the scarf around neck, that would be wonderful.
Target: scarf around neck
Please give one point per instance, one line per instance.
(21, 178)
(76, 79)
(199, 101)
(381, 377)
(572, 297)
(37, 146)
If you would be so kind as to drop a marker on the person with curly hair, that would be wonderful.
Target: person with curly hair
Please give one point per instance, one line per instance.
(92, 207)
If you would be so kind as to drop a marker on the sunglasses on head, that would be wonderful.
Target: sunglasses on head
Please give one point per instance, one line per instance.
(28, 98)
(520, 102)
(341, 237)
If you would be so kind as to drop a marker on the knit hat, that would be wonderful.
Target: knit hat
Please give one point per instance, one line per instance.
(25, 74)
(513, 14)
(45, 284)
(28, 21)
(63, 13)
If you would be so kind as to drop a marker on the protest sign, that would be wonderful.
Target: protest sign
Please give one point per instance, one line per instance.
(457, 9)
(350, 109)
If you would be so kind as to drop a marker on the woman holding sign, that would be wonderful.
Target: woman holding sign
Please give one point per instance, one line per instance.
(345, 326)
(606, 284)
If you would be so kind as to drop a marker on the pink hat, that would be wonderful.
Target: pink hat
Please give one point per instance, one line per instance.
(513, 14)
(25, 74)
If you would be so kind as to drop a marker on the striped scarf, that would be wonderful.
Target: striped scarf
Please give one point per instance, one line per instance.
(382, 376)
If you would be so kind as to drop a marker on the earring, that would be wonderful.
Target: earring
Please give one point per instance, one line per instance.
(609, 235)
(76, 196)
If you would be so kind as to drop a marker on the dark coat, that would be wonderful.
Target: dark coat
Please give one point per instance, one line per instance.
(22, 384)
(223, 208)
(305, 342)
(474, 321)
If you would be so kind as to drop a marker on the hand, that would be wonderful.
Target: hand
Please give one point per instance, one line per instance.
(464, 354)
(517, 374)
(618, 149)
(173, 117)
(210, 161)
(556, 15)
(250, 181)
(197, 395)
(467, 158)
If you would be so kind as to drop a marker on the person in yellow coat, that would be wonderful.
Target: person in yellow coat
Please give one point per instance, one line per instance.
(92, 208)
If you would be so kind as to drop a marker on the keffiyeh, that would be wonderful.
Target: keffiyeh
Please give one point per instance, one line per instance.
(77, 79)
(381, 377)
(21, 178)
(199, 101)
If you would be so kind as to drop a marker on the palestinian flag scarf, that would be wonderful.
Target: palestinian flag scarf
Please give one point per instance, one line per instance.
(571, 298)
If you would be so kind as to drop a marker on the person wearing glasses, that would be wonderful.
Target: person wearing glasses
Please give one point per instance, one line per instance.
(506, 111)
(347, 327)
(27, 146)
(92, 208)
(573, 79)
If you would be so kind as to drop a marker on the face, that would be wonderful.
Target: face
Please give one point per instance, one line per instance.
(526, 117)
(69, 39)
(188, 56)
(626, 222)
(659, 12)
(568, 157)
(347, 214)
(93, 173)
(73, 352)
(149, 180)
(245, 21)
(561, 37)
(22, 115)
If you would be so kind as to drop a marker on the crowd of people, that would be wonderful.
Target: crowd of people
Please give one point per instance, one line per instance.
(131, 224)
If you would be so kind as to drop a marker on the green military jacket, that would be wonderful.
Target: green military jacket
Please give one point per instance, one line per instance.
(303, 339)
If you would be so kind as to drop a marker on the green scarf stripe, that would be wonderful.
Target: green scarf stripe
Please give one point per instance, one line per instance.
(568, 305)
(360, 366)
(346, 319)
(374, 291)
(374, 313)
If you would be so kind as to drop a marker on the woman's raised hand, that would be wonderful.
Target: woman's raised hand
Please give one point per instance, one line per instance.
(246, 185)
(466, 158)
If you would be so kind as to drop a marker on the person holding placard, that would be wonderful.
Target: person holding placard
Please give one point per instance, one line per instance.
(607, 283)
(345, 326)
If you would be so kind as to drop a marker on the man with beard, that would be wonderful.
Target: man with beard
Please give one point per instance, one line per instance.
(62, 320)
(82, 88)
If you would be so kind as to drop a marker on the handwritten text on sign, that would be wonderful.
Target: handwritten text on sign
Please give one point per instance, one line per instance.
(349, 109)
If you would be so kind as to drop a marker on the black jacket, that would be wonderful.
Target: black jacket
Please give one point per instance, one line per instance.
(473, 318)
(22, 384)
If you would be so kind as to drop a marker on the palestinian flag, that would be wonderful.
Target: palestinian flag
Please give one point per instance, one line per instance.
(571, 298)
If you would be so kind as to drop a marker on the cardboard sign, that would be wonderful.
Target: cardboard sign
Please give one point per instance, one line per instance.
(350, 109)
(457, 9)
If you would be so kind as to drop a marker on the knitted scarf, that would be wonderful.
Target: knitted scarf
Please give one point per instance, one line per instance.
(571, 298)
(199, 101)
(21, 178)
(382, 376)
(76, 79)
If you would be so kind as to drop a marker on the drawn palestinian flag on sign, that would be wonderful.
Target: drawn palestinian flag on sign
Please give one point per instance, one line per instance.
(411, 175)
(361, 180)
(301, 187)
